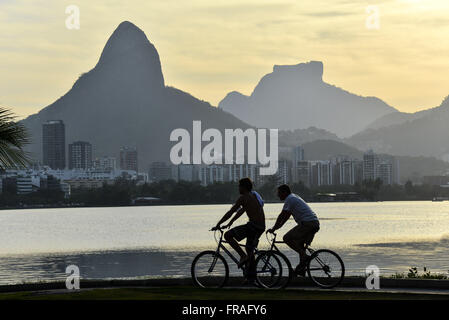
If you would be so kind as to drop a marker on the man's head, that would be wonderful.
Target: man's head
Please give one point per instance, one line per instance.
(245, 185)
(283, 191)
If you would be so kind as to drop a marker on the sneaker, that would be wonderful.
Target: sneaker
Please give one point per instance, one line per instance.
(300, 270)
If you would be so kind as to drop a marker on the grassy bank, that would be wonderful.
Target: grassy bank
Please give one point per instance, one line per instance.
(189, 293)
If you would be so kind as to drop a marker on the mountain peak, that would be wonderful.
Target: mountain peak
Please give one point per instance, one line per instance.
(127, 24)
(295, 96)
(128, 49)
(126, 36)
(310, 70)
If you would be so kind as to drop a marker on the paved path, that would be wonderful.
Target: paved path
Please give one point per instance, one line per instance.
(383, 290)
(440, 287)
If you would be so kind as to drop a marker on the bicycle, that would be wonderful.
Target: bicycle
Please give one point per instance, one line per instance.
(210, 270)
(325, 268)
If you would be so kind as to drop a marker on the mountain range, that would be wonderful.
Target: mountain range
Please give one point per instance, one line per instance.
(123, 101)
(424, 133)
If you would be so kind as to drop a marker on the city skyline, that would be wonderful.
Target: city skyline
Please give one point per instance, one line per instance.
(384, 62)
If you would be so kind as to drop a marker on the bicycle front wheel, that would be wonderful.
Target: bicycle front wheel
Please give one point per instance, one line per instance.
(325, 268)
(209, 270)
(273, 270)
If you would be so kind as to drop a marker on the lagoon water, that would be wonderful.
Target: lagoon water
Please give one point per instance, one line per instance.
(152, 241)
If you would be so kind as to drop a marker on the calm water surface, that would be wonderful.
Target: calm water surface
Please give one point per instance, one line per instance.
(127, 242)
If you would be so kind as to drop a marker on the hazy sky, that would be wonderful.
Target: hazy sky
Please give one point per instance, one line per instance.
(210, 47)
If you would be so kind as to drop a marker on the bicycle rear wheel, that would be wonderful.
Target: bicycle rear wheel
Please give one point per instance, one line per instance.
(273, 270)
(209, 270)
(325, 268)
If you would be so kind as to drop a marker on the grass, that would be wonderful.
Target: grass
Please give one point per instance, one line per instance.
(189, 293)
(414, 273)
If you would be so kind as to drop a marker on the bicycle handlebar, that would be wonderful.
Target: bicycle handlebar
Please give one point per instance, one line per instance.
(217, 229)
(273, 236)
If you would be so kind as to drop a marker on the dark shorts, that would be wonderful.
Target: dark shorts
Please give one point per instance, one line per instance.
(303, 233)
(250, 231)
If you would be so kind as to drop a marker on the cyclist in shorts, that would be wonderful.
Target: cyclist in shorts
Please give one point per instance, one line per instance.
(308, 224)
(251, 203)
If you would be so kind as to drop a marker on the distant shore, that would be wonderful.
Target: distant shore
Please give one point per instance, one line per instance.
(60, 206)
(167, 204)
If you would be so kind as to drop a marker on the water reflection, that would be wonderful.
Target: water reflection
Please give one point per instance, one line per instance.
(130, 242)
(150, 263)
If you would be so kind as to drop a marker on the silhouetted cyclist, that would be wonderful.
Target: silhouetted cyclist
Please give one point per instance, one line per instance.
(302, 234)
(251, 203)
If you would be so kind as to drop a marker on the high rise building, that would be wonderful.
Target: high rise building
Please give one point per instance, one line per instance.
(160, 171)
(383, 167)
(348, 172)
(53, 144)
(298, 155)
(186, 172)
(300, 167)
(80, 155)
(105, 163)
(283, 173)
(128, 158)
(395, 178)
(235, 172)
(322, 173)
(211, 174)
(385, 172)
(370, 163)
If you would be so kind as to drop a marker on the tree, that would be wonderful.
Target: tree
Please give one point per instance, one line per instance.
(408, 187)
(13, 137)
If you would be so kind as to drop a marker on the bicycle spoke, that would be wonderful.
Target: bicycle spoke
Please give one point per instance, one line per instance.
(209, 270)
(325, 268)
(214, 262)
(269, 270)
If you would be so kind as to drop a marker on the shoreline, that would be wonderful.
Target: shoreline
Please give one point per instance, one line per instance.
(191, 204)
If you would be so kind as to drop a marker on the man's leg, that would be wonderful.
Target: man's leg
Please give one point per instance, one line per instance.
(295, 239)
(232, 237)
(251, 267)
(251, 244)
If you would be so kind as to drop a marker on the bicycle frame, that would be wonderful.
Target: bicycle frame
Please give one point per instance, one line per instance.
(222, 247)
(275, 248)
(310, 250)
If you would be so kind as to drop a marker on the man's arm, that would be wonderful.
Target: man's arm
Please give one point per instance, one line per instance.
(281, 220)
(236, 216)
(228, 214)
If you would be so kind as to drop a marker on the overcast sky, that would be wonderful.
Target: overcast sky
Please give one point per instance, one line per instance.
(209, 48)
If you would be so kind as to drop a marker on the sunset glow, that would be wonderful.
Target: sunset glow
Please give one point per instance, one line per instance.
(209, 49)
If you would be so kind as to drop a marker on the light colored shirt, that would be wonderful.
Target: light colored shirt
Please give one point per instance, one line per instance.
(299, 209)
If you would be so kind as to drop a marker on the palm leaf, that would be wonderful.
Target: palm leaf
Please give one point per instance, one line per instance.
(13, 138)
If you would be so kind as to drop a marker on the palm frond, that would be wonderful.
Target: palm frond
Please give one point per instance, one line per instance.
(13, 138)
